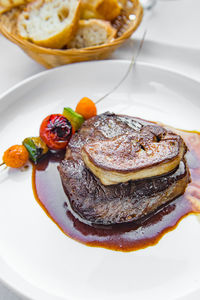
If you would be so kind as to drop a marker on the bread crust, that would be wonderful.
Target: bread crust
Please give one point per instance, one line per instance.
(6, 5)
(100, 9)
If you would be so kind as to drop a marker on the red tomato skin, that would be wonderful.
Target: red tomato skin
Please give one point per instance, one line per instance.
(56, 131)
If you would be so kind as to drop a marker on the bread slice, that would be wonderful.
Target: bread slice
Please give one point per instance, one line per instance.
(49, 23)
(91, 33)
(100, 9)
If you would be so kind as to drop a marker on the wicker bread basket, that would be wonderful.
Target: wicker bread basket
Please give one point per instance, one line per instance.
(52, 58)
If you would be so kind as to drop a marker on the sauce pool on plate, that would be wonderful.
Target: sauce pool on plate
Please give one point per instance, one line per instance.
(49, 193)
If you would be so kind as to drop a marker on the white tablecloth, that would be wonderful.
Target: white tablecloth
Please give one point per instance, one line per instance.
(172, 42)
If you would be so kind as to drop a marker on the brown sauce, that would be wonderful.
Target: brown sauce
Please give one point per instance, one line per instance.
(49, 193)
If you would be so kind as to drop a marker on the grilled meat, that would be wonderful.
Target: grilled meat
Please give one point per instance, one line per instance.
(97, 203)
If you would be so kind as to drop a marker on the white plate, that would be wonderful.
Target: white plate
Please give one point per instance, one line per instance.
(36, 258)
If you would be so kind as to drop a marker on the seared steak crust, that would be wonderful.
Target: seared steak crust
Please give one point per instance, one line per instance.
(123, 202)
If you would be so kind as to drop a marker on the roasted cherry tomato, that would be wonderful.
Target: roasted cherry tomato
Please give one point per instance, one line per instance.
(56, 131)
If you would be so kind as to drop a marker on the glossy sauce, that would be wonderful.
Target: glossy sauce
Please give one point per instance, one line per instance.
(49, 193)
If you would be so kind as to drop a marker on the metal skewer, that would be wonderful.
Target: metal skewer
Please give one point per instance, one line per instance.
(148, 6)
(131, 66)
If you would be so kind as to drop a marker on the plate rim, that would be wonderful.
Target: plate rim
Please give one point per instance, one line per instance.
(109, 61)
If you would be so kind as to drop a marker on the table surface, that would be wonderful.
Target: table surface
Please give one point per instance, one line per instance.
(172, 42)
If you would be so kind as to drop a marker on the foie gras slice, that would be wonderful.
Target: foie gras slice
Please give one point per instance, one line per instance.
(134, 156)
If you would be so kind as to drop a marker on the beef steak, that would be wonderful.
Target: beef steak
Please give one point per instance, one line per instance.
(97, 203)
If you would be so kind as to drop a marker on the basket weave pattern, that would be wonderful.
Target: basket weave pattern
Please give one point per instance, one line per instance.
(51, 57)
